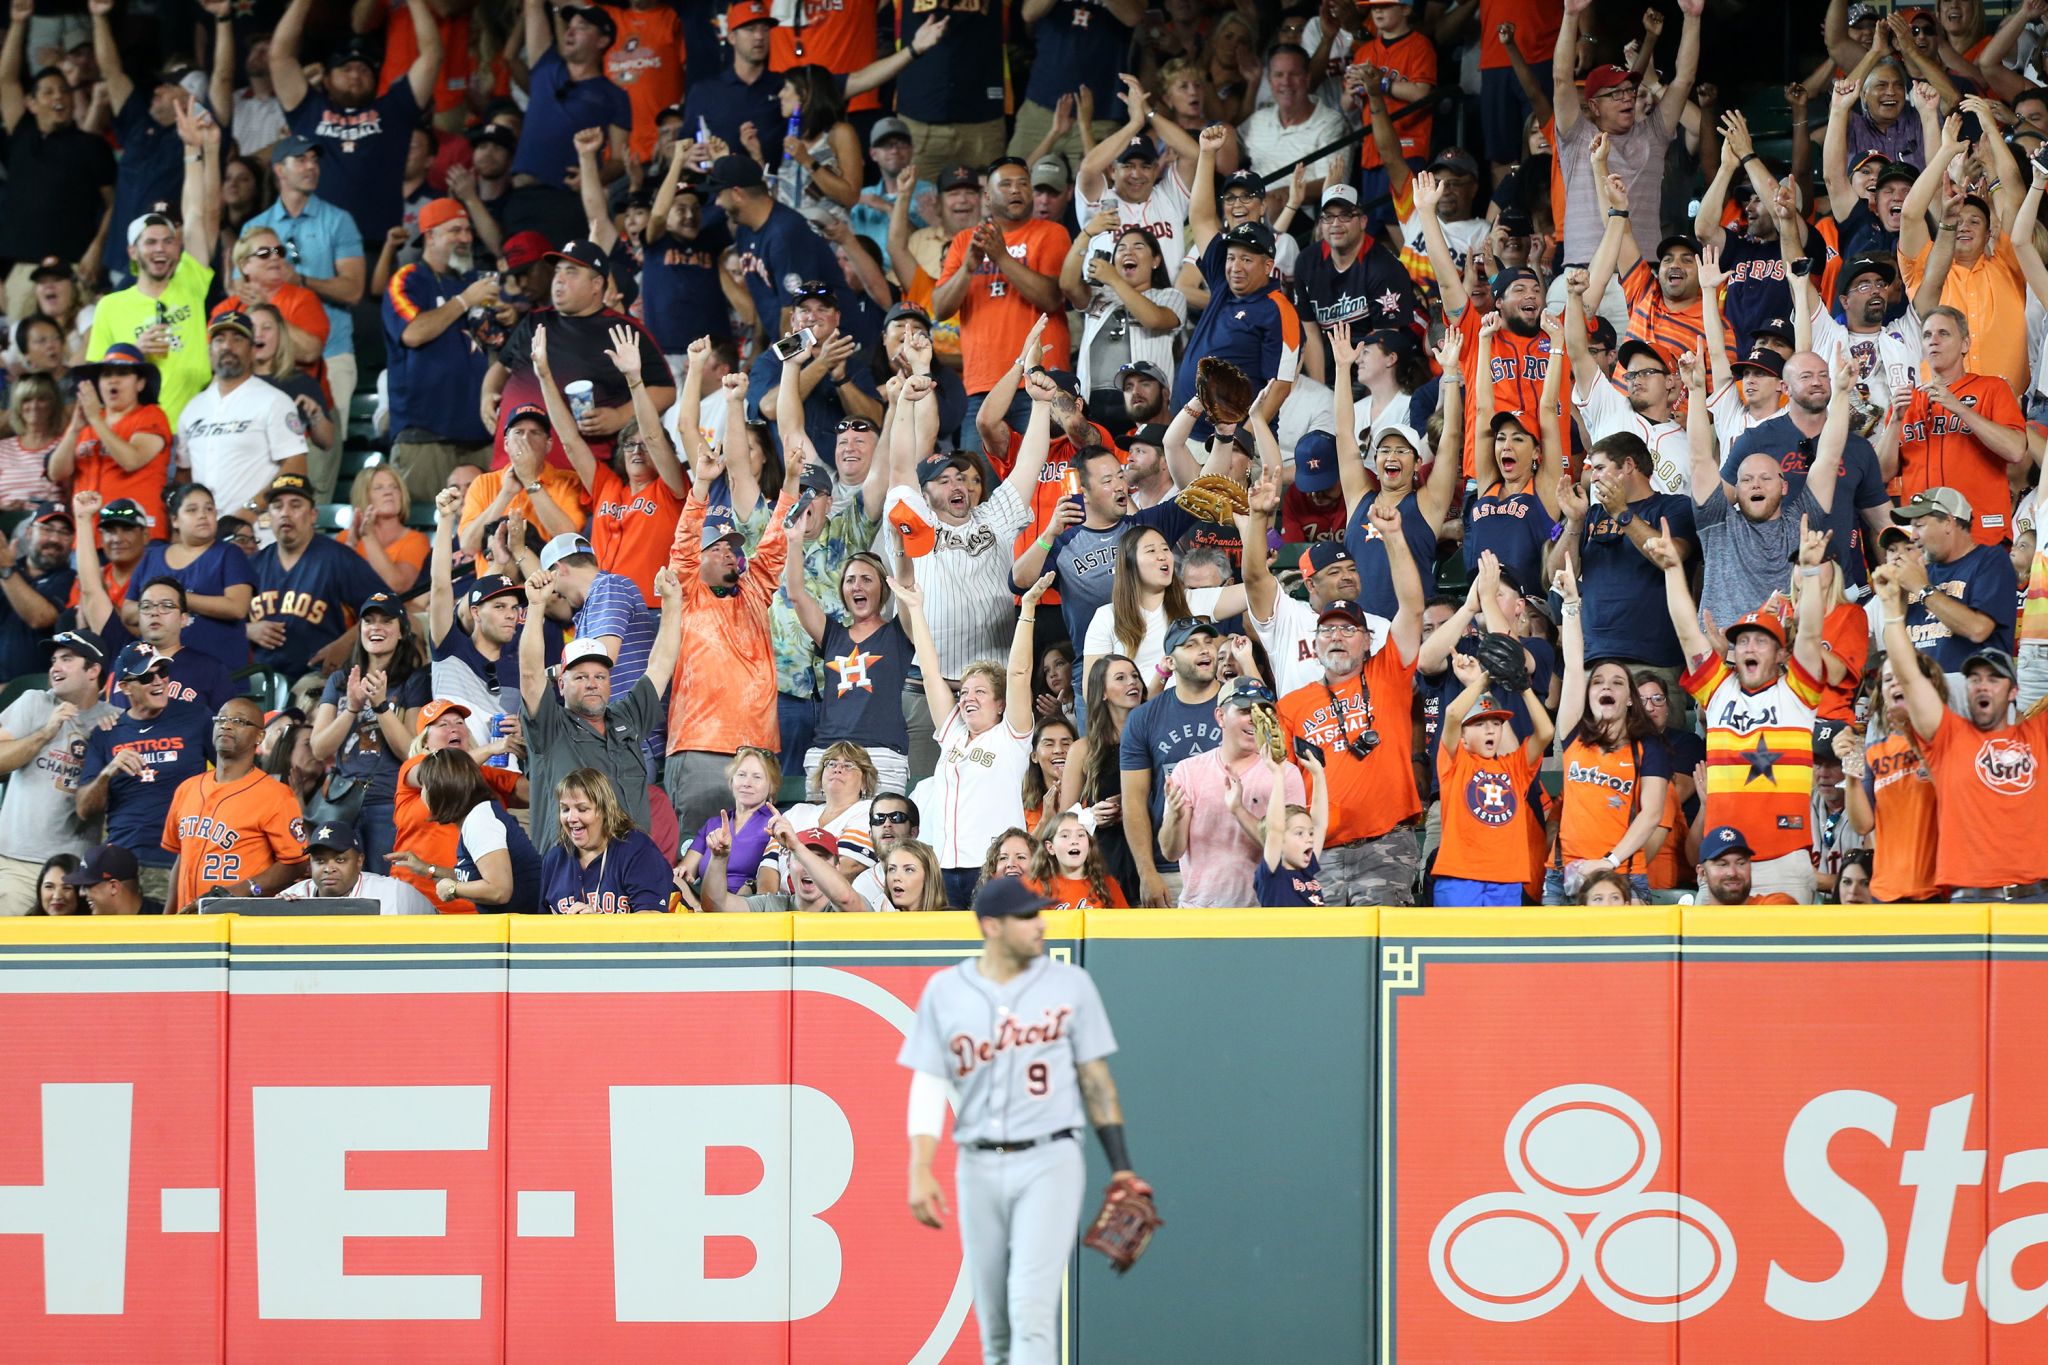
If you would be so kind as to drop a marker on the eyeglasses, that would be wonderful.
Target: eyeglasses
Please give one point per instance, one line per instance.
(854, 424)
(1340, 629)
(1923, 30)
(1643, 375)
(1869, 284)
(889, 817)
(242, 538)
(1185, 622)
(236, 721)
(1251, 195)
(264, 253)
(843, 765)
(157, 608)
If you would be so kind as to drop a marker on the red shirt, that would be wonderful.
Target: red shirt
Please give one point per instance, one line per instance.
(102, 473)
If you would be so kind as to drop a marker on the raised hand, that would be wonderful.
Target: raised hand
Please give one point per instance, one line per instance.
(1036, 591)
(1212, 138)
(624, 352)
(540, 586)
(1813, 544)
(1661, 549)
(588, 141)
(447, 503)
(1843, 97)
(1565, 582)
(1489, 327)
(1429, 192)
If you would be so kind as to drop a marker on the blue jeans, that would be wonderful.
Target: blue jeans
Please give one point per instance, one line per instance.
(960, 886)
(1458, 891)
(799, 719)
(379, 831)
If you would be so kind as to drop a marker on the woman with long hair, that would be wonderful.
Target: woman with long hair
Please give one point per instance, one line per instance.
(1617, 774)
(1230, 61)
(365, 722)
(1092, 777)
(600, 864)
(821, 162)
(1131, 310)
(1845, 636)
(1515, 467)
(245, 191)
(378, 530)
(1896, 810)
(423, 851)
(219, 584)
(867, 657)
(1008, 856)
(1051, 740)
(119, 441)
(913, 879)
(35, 421)
(1066, 865)
(272, 354)
(495, 865)
(1146, 597)
(1672, 866)
(1188, 97)
(1052, 688)
(55, 896)
(60, 297)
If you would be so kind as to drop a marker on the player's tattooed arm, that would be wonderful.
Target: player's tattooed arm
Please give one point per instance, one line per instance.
(1098, 1093)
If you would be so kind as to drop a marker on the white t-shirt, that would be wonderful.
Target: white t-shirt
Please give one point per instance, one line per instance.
(1164, 215)
(710, 422)
(805, 817)
(1606, 411)
(981, 787)
(39, 813)
(1152, 649)
(1269, 146)
(482, 831)
(1886, 360)
(1731, 418)
(234, 443)
(393, 896)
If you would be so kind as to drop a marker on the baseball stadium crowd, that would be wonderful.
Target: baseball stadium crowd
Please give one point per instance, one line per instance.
(823, 457)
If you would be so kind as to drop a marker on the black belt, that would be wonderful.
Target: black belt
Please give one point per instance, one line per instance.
(2012, 893)
(1025, 1145)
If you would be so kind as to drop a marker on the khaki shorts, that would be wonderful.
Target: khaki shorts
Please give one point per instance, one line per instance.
(156, 886)
(18, 885)
(940, 145)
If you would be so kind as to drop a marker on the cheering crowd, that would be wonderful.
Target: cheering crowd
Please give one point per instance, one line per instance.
(587, 459)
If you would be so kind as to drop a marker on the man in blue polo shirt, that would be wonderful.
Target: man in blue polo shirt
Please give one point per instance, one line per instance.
(368, 133)
(570, 92)
(327, 251)
(777, 249)
(1249, 321)
(1606, 522)
(434, 314)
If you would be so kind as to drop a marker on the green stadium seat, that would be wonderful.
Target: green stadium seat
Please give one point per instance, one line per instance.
(16, 687)
(270, 687)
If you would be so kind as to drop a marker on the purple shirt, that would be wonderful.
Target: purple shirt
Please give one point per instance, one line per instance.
(749, 846)
(1900, 142)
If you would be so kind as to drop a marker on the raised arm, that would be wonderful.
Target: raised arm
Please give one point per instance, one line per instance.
(1203, 220)
(1913, 216)
(1485, 466)
(1672, 104)
(426, 67)
(1704, 452)
(809, 614)
(1571, 708)
(1564, 74)
(1350, 460)
(938, 693)
(597, 213)
(1924, 701)
(1834, 151)
(287, 76)
(441, 566)
(1662, 550)
(13, 98)
(533, 666)
(1023, 657)
(1807, 645)
(1447, 474)
(1450, 281)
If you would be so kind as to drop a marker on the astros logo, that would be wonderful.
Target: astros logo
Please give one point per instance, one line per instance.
(1582, 1158)
(853, 670)
(1491, 799)
(2006, 766)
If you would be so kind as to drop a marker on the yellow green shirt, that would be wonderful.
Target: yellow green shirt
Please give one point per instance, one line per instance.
(125, 314)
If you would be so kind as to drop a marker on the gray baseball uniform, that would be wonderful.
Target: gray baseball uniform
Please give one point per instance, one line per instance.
(1010, 1052)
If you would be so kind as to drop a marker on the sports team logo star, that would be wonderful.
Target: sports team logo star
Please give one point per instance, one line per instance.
(853, 670)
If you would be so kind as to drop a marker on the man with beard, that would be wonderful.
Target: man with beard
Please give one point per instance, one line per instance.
(836, 396)
(1607, 523)
(1959, 594)
(1350, 276)
(65, 172)
(1357, 711)
(1864, 195)
(36, 581)
(1285, 624)
(1664, 303)
(1158, 735)
(582, 725)
(1724, 872)
(335, 854)
(148, 171)
(1961, 429)
(432, 311)
(1639, 402)
(1121, 172)
(306, 586)
(164, 311)
(890, 149)
(1759, 261)
(42, 746)
(1793, 440)
(906, 325)
(477, 666)
(1146, 390)
(368, 132)
(239, 433)
(1986, 769)
(1757, 707)
(1886, 354)
(1145, 471)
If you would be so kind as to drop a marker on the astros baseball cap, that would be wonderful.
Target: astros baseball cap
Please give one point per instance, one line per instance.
(578, 251)
(561, 547)
(107, 863)
(734, 173)
(1997, 660)
(932, 466)
(1322, 555)
(715, 531)
(585, 650)
(1187, 628)
(1762, 358)
(1151, 434)
(335, 839)
(1137, 149)
(1514, 417)
(489, 586)
(1927, 502)
(1457, 161)
(1486, 708)
(959, 177)
(280, 486)
(1779, 328)
(1009, 898)
(1678, 241)
(1250, 237)
(438, 708)
(1722, 840)
(231, 320)
(1343, 609)
(497, 134)
(139, 660)
(354, 49)
(384, 604)
(1340, 194)
(529, 412)
(1315, 462)
(79, 643)
(1765, 621)
(824, 841)
(1892, 533)
(749, 12)
(1868, 265)
(53, 511)
(903, 310)
(1251, 182)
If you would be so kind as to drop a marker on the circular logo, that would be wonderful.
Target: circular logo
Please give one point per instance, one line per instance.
(2006, 765)
(1491, 798)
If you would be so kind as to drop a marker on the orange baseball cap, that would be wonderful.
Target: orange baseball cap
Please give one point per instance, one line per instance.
(1759, 620)
(748, 12)
(436, 709)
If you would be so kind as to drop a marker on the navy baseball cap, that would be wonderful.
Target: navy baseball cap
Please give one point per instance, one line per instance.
(78, 642)
(1344, 608)
(489, 586)
(1066, 381)
(335, 839)
(931, 466)
(1722, 840)
(1009, 898)
(384, 604)
(288, 147)
(529, 412)
(901, 310)
(497, 134)
(139, 660)
(124, 512)
(279, 487)
(1151, 434)
(1323, 554)
(1243, 180)
(1187, 628)
(584, 253)
(817, 479)
(1508, 276)
(734, 173)
(1138, 149)
(107, 863)
(53, 511)
(1315, 462)
(1250, 237)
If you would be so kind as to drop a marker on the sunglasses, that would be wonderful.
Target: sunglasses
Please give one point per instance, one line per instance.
(854, 424)
(891, 817)
(1185, 622)
(264, 253)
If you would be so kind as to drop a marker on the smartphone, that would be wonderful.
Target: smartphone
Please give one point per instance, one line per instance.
(795, 344)
(1100, 255)
(1307, 751)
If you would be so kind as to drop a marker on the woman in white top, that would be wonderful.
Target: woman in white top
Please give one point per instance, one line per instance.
(847, 779)
(983, 753)
(821, 163)
(1147, 596)
(1391, 366)
(1133, 312)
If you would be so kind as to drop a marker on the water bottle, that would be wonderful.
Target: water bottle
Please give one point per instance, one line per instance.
(703, 140)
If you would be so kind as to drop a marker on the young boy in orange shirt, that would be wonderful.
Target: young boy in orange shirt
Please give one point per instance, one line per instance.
(1484, 781)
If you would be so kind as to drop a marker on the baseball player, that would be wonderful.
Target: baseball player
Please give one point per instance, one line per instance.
(1018, 1042)
(236, 827)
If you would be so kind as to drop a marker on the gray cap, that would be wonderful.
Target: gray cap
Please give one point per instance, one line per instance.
(887, 128)
(1928, 501)
(1050, 173)
(1996, 660)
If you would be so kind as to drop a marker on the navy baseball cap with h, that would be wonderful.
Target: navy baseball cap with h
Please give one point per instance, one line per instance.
(1315, 462)
(138, 661)
(1009, 898)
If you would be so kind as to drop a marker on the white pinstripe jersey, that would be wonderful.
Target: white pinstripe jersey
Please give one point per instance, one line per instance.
(964, 574)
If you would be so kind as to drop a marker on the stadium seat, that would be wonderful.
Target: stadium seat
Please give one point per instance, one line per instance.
(270, 687)
(335, 516)
(27, 682)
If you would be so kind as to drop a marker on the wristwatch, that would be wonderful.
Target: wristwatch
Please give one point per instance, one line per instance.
(1624, 516)
(6, 571)
(384, 707)
(533, 487)
(1919, 595)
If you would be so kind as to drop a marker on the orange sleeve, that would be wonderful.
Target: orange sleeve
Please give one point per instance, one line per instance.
(284, 824)
(305, 313)
(1913, 269)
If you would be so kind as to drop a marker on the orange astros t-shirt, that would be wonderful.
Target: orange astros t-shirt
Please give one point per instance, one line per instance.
(1601, 794)
(1933, 454)
(1901, 791)
(1993, 797)
(1372, 793)
(1759, 755)
(830, 33)
(630, 533)
(101, 473)
(1074, 893)
(995, 318)
(1486, 814)
(646, 61)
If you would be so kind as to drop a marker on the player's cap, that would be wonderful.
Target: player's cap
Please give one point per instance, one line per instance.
(529, 412)
(335, 839)
(53, 511)
(1636, 346)
(231, 320)
(1323, 554)
(748, 12)
(77, 642)
(1007, 898)
(715, 531)
(1151, 434)
(1904, 171)
(932, 466)
(383, 604)
(886, 128)
(1722, 840)
(593, 16)
(1762, 358)
(436, 709)
(1928, 502)
(734, 173)
(107, 863)
(523, 249)
(1507, 277)
(1997, 660)
(561, 547)
(1187, 628)
(1315, 462)
(51, 268)
(1142, 369)
(815, 478)
(125, 512)
(1050, 173)
(824, 841)
(489, 586)
(959, 177)
(1340, 194)
(497, 134)
(1455, 161)
(1343, 609)
(578, 251)
(1601, 79)
(288, 147)
(1250, 237)
(1245, 692)
(1486, 708)
(1859, 266)
(901, 310)
(283, 485)
(1678, 241)
(139, 660)
(583, 651)
(1137, 149)
(1765, 621)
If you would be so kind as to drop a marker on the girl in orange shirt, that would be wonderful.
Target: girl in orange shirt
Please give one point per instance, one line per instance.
(119, 442)
(1891, 795)
(423, 851)
(1066, 867)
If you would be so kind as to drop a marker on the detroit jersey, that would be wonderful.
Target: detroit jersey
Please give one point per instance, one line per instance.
(1010, 1051)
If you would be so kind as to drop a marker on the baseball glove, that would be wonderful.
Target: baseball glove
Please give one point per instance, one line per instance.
(1266, 733)
(1124, 1227)
(1215, 498)
(1502, 658)
(1225, 391)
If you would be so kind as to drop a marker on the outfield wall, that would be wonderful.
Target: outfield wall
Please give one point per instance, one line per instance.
(1430, 1135)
